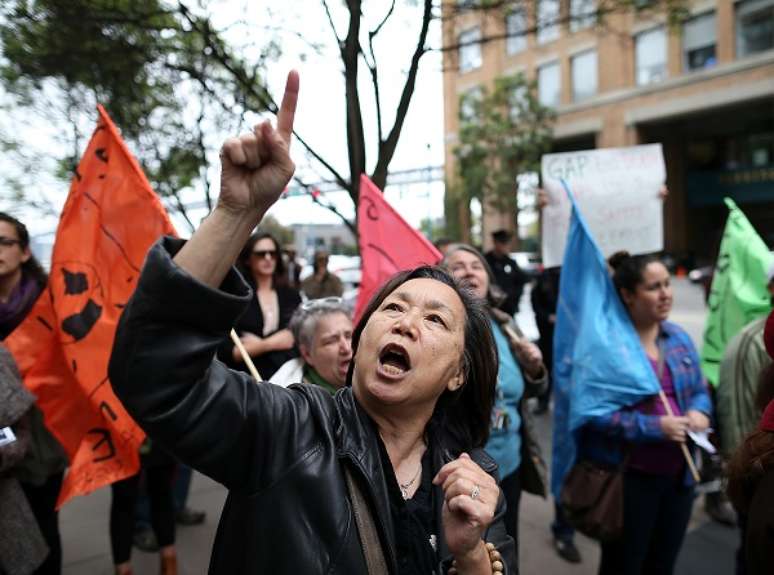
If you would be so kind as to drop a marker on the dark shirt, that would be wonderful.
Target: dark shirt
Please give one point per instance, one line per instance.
(759, 533)
(251, 321)
(329, 286)
(659, 457)
(413, 519)
(511, 279)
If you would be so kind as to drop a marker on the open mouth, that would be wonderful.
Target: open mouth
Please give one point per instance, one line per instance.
(394, 360)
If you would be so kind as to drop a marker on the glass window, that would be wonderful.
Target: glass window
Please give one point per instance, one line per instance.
(515, 26)
(549, 84)
(582, 14)
(754, 26)
(470, 49)
(650, 56)
(699, 39)
(584, 75)
(547, 20)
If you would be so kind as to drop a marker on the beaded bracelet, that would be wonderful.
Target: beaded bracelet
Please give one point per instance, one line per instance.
(494, 557)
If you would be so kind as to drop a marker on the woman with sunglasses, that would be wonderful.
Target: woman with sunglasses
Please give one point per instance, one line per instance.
(263, 328)
(389, 474)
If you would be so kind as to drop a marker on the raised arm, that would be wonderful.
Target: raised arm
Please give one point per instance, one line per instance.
(255, 169)
(188, 297)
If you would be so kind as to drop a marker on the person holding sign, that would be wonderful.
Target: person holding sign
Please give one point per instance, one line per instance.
(386, 476)
(648, 438)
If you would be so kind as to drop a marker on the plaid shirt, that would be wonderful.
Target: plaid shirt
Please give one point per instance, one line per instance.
(602, 439)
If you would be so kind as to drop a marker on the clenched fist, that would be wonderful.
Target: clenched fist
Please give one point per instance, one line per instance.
(257, 167)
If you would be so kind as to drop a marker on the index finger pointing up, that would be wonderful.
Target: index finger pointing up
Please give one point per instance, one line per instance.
(287, 110)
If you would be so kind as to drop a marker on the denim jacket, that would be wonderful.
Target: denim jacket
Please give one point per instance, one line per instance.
(603, 438)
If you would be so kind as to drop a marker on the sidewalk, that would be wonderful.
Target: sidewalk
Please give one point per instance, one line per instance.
(708, 548)
(84, 524)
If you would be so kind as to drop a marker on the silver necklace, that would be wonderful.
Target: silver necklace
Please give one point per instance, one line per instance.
(405, 486)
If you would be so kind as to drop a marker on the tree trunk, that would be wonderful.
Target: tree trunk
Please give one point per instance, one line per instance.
(350, 54)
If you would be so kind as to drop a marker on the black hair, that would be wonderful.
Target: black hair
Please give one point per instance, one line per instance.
(462, 416)
(279, 277)
(31, 267)
(627, 269)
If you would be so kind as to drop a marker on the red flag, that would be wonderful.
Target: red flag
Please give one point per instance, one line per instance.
(387, 243)
(109, 222)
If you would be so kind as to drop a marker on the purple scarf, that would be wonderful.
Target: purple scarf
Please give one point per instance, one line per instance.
(18, 305)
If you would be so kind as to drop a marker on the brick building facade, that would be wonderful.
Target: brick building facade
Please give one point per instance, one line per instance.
(704, 88)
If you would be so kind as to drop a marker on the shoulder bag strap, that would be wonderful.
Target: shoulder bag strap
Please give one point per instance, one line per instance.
(369, 538)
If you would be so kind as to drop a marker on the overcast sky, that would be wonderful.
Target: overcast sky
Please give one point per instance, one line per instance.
(321, 108)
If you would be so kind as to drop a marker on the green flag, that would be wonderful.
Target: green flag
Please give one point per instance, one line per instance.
(739, 289)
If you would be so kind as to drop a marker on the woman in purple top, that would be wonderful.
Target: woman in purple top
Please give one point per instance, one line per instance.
(658, 489)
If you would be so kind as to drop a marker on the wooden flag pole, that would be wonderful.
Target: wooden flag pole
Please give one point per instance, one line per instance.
(245, 356)
(686, 453)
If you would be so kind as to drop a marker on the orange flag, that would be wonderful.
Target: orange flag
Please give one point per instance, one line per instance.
(108, 223)
(387, 243)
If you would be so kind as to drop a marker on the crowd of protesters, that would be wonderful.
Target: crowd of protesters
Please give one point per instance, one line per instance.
(417, 416)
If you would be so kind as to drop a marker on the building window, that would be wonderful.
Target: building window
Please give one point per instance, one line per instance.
(582, 14)
(549, 84)
(547, 20)
(754, 26)
(515, 27)
(470, 49)
(584, 75)
(650, 56)
(699, 40)
(469, 104)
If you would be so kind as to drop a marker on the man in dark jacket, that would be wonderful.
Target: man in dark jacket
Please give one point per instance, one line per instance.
(508, 275)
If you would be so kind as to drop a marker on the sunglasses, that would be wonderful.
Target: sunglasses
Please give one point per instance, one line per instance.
(321, 302)
(260, 254)
(8, 242)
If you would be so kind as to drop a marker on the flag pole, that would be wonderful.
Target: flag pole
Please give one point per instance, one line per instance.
(245, 356)
(684, 447)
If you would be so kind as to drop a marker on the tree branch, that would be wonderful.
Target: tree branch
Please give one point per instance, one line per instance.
(603, 10)
(355, 134)
(376, 30)
(387, 149)
(333, 26)
(310, 190)
(248, 84)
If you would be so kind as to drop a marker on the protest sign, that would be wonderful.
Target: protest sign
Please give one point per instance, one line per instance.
(617, 190)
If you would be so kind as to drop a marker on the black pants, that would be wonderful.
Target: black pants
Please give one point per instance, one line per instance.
(511, 486)
(159, 485)
(656, 514)
(42, 500)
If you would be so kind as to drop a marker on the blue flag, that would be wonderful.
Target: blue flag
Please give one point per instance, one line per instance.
(600, 365)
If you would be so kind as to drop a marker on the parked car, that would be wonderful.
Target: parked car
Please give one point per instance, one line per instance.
(529, 262)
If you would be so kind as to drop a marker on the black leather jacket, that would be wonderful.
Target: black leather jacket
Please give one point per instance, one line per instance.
(279, 451)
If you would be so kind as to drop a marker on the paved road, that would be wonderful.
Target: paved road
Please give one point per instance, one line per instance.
(708, 549)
